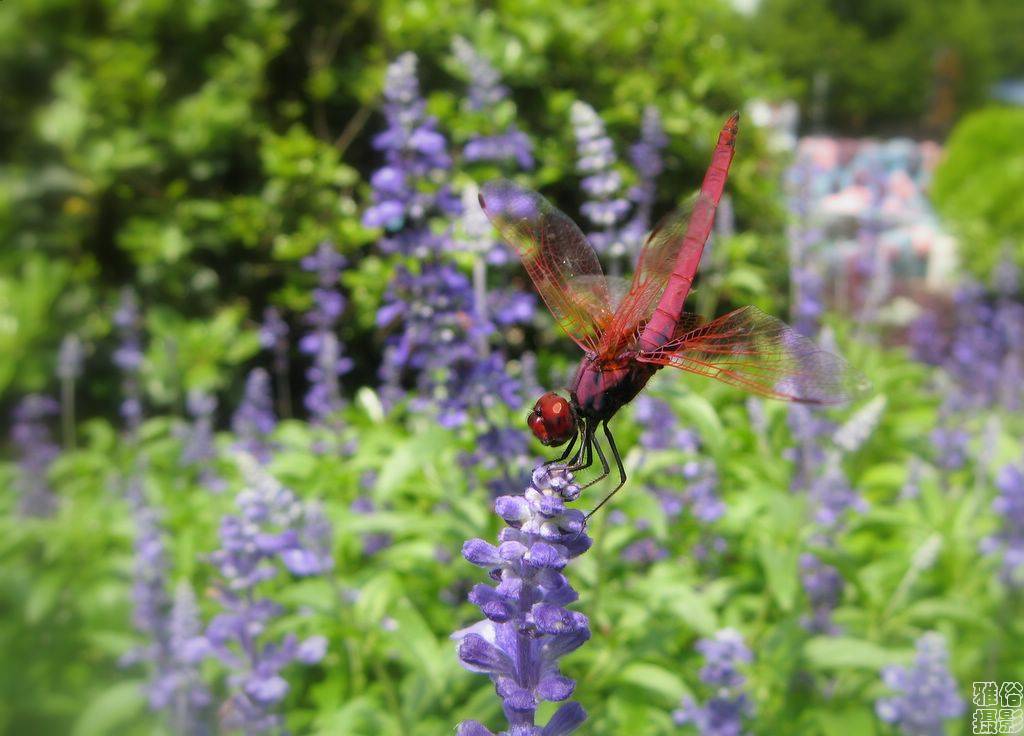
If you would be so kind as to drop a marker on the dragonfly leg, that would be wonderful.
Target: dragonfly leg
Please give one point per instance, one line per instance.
(586, 451)
(618, 464)
(604, 465)
(568, 451)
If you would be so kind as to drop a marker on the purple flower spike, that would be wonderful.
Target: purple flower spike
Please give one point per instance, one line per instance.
(272, 533)
(174, 684)
(527, 627)
(485, 92)
(36, 450)
(927, 693)
(324, 400)
(254, 419)
(416, 157)
(1009, 540)
(274, 333)
(723, 713)
(596, 160)
(646, 157)
(198, 449)
(979, 344)
(128, 357)
(824, 587)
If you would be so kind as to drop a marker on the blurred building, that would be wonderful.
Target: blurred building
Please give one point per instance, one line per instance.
(865, 226)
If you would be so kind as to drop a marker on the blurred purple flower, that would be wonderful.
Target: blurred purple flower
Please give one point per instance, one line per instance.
(174, 684)
(527, 626)
(950, 444)
(323, 399)
(128, 358)
(723, 713)
(646, 157)
(927, 695)
(254, 420)
(644, 551)
(979, 343)
(274, 332)
(179, 689)
(808, 427)
(824, 588)
(438, 347)
(605, 207)
(273, 531)
(692, 483)
(1009, 540)
(373, 542)
(484, 93)
(661, 429)
(36, 452)
(198, 448)
(485, 87)
(411, 186)
(832, 496)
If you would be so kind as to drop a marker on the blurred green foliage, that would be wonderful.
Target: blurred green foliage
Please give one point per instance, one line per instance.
(978, 188)
(898, 65)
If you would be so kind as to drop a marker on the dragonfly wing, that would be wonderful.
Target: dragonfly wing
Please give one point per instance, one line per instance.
(556, 255)
(761, 354)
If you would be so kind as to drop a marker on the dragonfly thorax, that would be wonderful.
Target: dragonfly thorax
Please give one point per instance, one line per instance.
(553, 420)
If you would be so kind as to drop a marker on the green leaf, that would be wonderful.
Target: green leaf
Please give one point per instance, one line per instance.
(779, 561)
(849, 721)
(692, 607)
(699, 411)
(840, 652)
(655, 680)
(884, 475)
(118, 706)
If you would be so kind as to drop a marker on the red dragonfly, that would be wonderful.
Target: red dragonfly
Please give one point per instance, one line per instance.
(629, 332)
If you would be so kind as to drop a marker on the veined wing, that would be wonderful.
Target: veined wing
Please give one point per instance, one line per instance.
(556, 255)
(761, 354)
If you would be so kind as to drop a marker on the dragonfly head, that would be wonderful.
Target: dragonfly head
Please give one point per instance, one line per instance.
(552, 420)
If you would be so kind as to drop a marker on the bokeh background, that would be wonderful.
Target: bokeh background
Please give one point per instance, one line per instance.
(264, 369)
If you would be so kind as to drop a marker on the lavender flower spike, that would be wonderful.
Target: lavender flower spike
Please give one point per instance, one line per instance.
(927, 693)
(274, 333)
(1009, 540)
(254, 419)
(273, 531)
(723, 713)
(128, 357)
(198, 442)
(180, 689)
(527, 626)
(36, 450)
(602, 183)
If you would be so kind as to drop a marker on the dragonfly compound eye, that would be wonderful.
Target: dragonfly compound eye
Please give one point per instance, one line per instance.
(552, 420)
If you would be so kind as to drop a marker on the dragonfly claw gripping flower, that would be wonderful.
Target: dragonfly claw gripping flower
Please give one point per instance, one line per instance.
(527, 625)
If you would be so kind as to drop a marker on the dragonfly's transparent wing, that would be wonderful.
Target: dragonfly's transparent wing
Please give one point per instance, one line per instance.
(761, 354)
(556, 255)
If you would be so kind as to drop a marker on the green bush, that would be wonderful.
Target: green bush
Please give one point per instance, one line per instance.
(979, 185)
